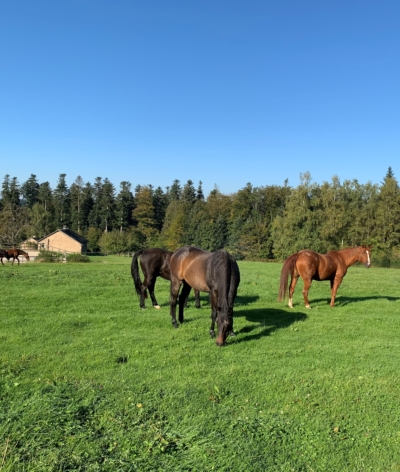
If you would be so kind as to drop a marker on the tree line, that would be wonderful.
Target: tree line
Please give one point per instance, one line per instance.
(254, 223)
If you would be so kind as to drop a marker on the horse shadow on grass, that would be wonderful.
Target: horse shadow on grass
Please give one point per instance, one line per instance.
(342, 301)
(240, 300)
(269, 319)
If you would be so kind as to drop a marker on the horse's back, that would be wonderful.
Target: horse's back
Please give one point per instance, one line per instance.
(316, 266)
(190, 263)
(156, 260)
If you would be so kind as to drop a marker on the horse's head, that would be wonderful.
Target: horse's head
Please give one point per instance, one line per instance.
(224, 321)
(26, 256)
(365, 255)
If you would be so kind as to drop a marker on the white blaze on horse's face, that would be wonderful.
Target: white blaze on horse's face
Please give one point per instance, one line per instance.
(369, 260)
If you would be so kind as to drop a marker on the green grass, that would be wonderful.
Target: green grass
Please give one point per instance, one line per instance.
(88, 381)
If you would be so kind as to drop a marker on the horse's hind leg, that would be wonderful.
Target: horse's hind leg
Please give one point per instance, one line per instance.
(306, 288)
(175, 285)
(213, 300)
(151, 292)
(293, 283)
(183, 299)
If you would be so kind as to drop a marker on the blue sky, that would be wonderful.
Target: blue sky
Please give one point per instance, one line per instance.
(226, 92)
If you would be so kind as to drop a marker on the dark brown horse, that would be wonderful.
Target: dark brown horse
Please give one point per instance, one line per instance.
(310, 265)
(154, 263)
(4, 253)
(13, 253)
(214, 272)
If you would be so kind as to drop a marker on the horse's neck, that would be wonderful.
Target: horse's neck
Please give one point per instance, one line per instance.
(349, 256)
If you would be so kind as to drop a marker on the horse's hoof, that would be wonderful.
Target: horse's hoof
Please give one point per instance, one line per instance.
(232, 334)
(157, 307)
(308, 306)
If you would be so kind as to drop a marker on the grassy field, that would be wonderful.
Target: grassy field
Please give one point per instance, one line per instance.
(89, 382)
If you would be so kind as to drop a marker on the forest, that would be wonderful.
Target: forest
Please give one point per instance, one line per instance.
(255, 223)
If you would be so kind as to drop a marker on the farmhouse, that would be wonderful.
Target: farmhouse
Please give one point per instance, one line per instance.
(31, 243)
(63, 240)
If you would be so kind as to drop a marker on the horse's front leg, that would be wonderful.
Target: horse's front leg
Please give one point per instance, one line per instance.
(183, 299)
(197, 298)
(214, 312)
(335, 283)
(174, 291)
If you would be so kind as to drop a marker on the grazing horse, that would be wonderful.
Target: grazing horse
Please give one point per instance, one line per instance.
(310, 265)
(13, 253)
(214, 272)
(154, 263)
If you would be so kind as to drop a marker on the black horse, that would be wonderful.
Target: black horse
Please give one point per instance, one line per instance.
(154, 263)
(214, 272)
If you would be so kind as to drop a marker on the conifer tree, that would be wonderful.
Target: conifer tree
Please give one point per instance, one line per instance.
(143, 214)
(124, 206)
(30, 191)
(62, 202)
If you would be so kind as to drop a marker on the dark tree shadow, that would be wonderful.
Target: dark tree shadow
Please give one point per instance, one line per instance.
(271, 318)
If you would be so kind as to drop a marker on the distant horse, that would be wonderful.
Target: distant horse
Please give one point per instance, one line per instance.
(214, 272)
(310, 265)
(4, 253)
(13, 253)
(154, 263)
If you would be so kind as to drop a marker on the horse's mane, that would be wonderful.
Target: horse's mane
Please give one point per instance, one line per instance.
(221, 267)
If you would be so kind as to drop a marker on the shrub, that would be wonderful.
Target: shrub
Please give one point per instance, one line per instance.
(49, 256)
(77, 258)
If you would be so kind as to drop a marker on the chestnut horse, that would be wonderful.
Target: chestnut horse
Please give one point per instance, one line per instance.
(14, 253)
(309, 265)
(154, 263)
(214, 272)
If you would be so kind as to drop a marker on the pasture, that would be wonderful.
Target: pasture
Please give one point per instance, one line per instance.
(90, 382)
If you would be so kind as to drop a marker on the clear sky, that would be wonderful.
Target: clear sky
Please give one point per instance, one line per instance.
(222, 91)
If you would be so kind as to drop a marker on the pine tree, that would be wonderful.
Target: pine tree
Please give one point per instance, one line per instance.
(160, 203)
(388, 212)
(30, 191)
(95, 220)
(175, 191)
(124, 206)
(189, 193)
(76, 193)
(62, 202)
(199, 193)
(107, 206)
(143, 214)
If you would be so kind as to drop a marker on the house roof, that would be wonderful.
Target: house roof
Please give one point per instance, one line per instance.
(68, 232)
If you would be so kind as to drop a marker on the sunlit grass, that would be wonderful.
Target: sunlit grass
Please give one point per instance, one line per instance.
(88, 381)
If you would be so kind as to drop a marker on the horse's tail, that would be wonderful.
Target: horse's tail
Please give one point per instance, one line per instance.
(135, 272)
(287, 269)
